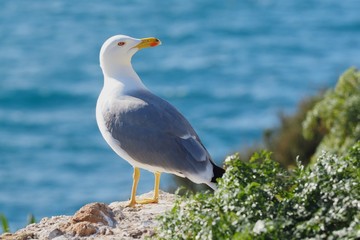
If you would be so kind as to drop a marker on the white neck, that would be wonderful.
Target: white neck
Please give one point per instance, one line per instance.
(121, 77)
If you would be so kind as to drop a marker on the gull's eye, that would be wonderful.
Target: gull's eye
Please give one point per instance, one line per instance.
(121, 44)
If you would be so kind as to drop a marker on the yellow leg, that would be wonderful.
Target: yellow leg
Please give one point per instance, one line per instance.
(155, 199)
(157, 186)
(136, 177)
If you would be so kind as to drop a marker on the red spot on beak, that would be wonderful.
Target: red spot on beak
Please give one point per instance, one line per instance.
(154, 44)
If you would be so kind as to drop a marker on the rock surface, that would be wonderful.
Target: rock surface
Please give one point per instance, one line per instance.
(99, 221)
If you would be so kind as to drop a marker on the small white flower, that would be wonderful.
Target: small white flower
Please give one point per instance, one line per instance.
(259, 227)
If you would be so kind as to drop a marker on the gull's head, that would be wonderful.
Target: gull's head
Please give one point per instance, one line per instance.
(117, 51)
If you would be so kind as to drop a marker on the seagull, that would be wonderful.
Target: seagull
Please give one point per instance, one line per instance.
(144, 129)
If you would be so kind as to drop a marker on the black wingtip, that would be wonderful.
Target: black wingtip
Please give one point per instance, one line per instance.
(218, 172)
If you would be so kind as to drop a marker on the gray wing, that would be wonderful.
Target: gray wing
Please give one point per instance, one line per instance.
(155, 133)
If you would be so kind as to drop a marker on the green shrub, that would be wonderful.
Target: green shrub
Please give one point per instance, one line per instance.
(335, 115)
(260, 200)
(287, 142)
(339, 113)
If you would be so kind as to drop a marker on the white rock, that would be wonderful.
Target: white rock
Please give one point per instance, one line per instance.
(124, 223)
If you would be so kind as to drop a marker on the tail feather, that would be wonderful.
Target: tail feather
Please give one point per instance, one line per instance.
(218, 172)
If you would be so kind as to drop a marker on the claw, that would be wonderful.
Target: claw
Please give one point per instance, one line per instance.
(147, 200)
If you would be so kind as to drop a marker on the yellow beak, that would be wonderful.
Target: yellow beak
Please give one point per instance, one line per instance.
(148, 42)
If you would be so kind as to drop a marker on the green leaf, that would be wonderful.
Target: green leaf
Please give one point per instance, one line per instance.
(4, 223)
(31, 219)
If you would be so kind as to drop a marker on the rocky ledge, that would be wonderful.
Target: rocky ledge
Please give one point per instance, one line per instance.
(99, 221)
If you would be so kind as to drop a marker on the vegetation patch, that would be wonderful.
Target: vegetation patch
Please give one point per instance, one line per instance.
(260, 200)
(339, 113)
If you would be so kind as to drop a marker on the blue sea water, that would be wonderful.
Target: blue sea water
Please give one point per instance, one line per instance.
(229, 66)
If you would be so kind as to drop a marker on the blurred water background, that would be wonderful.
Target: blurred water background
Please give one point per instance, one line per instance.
(229, 66)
